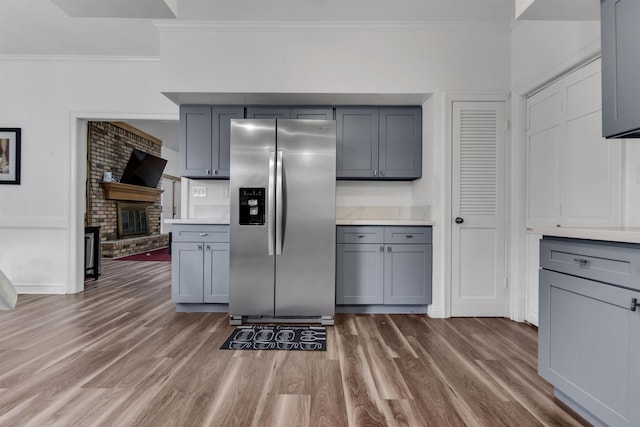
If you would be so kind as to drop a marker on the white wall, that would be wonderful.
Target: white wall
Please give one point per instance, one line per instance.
(631, 154)
(42, 96)
(417, 59)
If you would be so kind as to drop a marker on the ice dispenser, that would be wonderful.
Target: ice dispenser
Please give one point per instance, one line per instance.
(252, 206)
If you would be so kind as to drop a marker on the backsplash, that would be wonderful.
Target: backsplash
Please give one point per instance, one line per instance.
(354, 200)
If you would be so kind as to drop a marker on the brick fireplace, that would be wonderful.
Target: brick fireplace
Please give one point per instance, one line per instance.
(108, 150)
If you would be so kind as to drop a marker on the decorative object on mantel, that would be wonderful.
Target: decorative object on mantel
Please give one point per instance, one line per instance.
(136, 193)
(10, 145)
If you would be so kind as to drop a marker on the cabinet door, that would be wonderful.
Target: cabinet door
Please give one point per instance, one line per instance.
(407, 274)
(311, 113)
(359, 274)
(400, 142)
(268, 113)
(357, 143)
(588, 345)
(196, 151)
(216, 272)
(221, 137)
(187, 273)
(620, 66)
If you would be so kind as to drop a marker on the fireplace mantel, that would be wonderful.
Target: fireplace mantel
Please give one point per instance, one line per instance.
(136, 193)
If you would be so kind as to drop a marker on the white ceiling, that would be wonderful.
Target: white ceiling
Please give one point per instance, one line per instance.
(127, 28)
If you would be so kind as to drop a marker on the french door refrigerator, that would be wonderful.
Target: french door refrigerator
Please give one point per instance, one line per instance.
(282, 221)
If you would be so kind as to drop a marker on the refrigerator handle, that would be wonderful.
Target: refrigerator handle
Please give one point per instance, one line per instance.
(279, 203)
(271, 200)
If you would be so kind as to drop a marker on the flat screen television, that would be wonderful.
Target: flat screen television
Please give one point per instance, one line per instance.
(143, 169)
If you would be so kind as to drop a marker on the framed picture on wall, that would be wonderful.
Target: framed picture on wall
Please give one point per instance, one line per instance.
(9, 155)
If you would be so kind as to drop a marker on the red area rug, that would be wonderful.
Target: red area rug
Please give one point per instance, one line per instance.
(157, 255)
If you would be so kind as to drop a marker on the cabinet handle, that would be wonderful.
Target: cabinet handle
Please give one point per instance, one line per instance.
(208, 247)
(375, 172)
(214, 172)
(204, 234)
(381, 248)
(207, 172)
(199, 247)
(360, 236)
(409, 236)
(634, 304)
(581, 261)
(388, 248)
(381, 173)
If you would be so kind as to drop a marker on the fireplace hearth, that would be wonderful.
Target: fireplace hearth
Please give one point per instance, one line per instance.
(132, 220)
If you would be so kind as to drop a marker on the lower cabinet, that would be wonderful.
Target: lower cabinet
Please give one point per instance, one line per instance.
(379, 271)
(200, 263)
(589, 333)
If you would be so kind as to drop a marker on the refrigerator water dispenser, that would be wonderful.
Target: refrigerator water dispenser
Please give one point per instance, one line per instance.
(252, 208)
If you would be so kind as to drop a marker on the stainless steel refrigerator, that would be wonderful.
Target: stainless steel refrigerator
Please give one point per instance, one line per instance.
(282, 221)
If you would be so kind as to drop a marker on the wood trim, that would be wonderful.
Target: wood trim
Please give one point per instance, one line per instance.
(138, 132)
(136, 193)
(172, 177)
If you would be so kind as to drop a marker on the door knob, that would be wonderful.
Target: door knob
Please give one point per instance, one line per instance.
(459, 220)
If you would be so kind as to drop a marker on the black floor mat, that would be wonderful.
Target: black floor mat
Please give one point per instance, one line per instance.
(305, 338)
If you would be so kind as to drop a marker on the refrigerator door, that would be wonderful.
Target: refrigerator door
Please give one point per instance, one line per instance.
(305, 227)
(251, 257)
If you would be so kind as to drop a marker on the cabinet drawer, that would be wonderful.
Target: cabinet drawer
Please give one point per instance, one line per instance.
(416, 235)
(200, 233)
(615, 263)
(360, 234)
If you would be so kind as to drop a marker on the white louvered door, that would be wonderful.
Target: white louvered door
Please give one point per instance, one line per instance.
(478, 209)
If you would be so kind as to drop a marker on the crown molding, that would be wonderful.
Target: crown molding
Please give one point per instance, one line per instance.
(78, 58)
(240, 26)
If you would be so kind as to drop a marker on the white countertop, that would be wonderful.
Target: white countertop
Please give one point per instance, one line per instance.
(338, 221)
(611, 234)
(222, 221)
(384, 222)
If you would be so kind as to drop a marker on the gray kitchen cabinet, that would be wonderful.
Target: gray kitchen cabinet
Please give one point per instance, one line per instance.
(200, 263)
(400, 142)
(312, 113)
(383, 265)
(205, 140)
(286, 112)
(356, 142)
(620, 34)
(407, 271)
(268, 113)
(359, 274)
(379, 143)
(589, 327)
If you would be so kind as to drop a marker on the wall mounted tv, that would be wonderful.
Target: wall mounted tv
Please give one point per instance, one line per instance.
(143, 169)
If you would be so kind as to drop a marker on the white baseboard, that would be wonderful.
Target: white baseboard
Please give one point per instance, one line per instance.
(436, 312)
(40, 289)
(532, 318)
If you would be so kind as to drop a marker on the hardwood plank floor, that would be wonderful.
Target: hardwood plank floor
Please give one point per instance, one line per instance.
(119, 355)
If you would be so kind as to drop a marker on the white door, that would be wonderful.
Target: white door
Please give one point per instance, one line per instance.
(478, 276)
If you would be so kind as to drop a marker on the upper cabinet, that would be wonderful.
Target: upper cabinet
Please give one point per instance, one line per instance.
(311, 113)
(620, 68)
(205, 140)
(383, 143)
(379, 143)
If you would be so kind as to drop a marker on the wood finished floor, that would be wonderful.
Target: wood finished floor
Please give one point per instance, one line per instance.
(119, 355)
